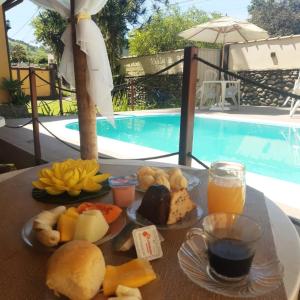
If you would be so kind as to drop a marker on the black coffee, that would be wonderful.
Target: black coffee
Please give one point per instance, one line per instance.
(230, 258)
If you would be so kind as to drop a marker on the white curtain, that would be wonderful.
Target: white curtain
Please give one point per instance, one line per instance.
(90, 40)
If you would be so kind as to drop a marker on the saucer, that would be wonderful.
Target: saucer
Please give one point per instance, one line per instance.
(263, 278)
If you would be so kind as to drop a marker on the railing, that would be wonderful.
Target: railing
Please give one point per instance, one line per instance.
(185, 152)
(36, 122)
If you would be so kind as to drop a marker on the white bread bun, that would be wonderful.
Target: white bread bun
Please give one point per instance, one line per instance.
(76, 270)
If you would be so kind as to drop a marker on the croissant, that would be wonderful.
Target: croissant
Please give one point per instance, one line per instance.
(146, 181)
(145, 171)
(178, 182)
(162, 180)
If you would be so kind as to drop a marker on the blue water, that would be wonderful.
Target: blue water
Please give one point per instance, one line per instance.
(265, 149)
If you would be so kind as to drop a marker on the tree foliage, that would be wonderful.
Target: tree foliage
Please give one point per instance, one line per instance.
(114, 21)
(161, 32)
(34, 54)
(278, 17)
(18, 54)
(48, 28)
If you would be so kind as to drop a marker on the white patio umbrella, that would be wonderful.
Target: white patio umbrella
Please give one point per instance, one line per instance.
(224, 30)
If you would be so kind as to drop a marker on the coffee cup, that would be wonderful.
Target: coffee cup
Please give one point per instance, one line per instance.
(230, 241)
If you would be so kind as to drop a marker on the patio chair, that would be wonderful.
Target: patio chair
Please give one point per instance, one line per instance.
(294, 108)
(294, 104)
(232, 93)
(210, 92)
(290, 99)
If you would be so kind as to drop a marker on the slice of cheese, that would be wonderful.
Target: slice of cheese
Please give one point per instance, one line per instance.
(181, 204)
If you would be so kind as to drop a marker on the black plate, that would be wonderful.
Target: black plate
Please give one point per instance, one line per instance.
(65, 198)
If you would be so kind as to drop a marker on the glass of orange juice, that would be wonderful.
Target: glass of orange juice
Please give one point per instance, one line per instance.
(226, 187)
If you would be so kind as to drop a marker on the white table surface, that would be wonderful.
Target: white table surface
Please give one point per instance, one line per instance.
(286, 237)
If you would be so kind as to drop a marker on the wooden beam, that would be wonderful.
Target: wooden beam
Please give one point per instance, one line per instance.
(10, 4)
(188, 105)
(86, 108)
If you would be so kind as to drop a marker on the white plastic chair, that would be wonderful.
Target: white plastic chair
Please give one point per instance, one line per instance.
(232, 93)
(232, 90)
(290, 99)
(294, 104)
(293, 110)
(210, 92)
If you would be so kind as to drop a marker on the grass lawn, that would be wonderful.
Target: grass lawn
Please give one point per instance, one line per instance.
(51, 107)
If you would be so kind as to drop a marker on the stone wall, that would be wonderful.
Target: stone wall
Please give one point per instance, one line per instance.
(281, 79)
(155, 91)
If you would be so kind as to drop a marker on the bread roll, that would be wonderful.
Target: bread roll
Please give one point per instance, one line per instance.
(76, 270)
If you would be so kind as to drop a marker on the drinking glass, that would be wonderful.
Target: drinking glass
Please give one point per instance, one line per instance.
(226, 187)
(231, 241)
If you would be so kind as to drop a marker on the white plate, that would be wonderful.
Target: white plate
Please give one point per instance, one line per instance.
(29, 237)
(188, 221)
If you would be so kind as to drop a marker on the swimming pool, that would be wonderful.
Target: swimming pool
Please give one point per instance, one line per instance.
(268, 150)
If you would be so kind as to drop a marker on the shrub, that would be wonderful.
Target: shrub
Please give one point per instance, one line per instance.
(13, 88)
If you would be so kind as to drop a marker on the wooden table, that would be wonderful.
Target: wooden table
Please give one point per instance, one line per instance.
(22, 273)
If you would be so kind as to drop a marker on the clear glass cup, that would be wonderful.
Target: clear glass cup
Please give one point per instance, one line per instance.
(226, 187)
(231, 241)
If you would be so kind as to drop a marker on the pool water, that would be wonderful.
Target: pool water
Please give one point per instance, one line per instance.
(268, 150)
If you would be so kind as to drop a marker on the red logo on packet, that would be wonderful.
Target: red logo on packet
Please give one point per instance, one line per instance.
(147, 242)
(146, 234)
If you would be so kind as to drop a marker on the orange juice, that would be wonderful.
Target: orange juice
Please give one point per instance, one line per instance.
(226, 197)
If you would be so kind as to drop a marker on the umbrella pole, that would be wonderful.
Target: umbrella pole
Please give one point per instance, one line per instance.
(86, 108)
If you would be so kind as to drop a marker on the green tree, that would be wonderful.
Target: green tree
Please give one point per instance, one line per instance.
(278, 17)
(160, 33)
(113, 20)
(18, 54)
(40, 56)
(48, 29)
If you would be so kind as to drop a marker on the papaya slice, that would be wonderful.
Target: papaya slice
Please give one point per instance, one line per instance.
(110, 212)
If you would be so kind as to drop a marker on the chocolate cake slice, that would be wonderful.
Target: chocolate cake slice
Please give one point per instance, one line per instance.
(155, 205)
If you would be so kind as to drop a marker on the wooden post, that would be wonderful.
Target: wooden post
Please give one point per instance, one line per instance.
(52, 78)
(18, 74)
(86, 108)
(34, 114)
(61, 109)
(188, 105)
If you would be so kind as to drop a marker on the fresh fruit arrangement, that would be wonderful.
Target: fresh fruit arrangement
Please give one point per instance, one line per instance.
(172, 179)
(71, 176)
(88, 221)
